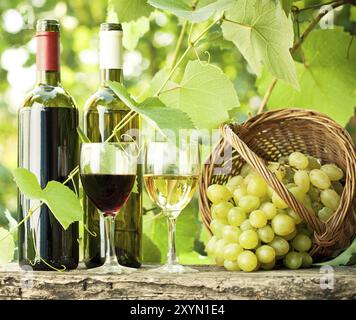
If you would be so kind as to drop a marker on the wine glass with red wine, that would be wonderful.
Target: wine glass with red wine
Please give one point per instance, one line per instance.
(108, 174)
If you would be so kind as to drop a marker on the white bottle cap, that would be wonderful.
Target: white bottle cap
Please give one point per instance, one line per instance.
(110, 56)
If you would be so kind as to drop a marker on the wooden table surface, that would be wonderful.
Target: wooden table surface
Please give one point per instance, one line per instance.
(210, 283)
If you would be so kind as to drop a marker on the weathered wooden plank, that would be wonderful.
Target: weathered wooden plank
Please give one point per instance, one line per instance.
(210, 283)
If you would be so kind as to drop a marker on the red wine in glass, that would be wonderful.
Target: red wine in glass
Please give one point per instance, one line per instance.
(108, 192)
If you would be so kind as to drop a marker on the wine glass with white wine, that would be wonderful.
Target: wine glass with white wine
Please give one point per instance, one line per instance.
(171, 177)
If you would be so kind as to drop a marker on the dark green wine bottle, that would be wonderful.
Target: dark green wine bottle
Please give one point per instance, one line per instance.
(102, 112)
(48, 147)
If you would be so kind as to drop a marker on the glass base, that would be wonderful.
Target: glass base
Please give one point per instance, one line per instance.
(111, 269)
(173, 268)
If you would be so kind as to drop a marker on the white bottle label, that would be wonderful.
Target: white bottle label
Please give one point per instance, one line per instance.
(111, 49)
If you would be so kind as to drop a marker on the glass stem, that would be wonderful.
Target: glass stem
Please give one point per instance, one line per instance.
(110, 258)
(172, 254)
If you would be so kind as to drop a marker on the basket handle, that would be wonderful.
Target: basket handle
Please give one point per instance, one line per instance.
(259, 165)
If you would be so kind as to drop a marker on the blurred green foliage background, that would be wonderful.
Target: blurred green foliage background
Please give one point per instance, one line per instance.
(149, 44)
(80, 22)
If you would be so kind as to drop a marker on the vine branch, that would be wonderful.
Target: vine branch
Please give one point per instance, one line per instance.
(297, 45)
(179, 44)
(191, 44)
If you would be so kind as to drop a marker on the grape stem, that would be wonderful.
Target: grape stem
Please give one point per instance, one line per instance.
(298, 44)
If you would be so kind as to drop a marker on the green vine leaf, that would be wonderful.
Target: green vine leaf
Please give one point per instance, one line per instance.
(155, 228)
(63, 203)
(347, 258)
(327, 78)
(27, 183)
(7, 247)
(154, 111)
(186, 9)
(150, 252)
(263, 34)
(131, 10)
(61, 200)
(287, 6)
(205, 93)
(133, 31)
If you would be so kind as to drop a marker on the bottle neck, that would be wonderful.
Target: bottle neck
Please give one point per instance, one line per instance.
(110, 75)
(51, 78)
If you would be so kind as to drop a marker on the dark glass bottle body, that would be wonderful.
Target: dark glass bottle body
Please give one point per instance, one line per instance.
(103, 111)
(48, 147)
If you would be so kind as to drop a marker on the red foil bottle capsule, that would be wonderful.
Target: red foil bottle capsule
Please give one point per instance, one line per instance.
(48, 48)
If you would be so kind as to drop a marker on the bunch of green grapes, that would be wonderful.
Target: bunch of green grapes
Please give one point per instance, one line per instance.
(254, 228)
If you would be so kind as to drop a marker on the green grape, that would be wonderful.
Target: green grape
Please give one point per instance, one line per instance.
(313, 163)
(236, 216)
(291, 185)
(257, 186)
(246, 225)
(239, 192)
(298, 160)
(280, 246)
(249, 203)
(219, 248)
(265, 234)
(270, 192)
(289, 177)
(257, 267)
(314, 194)
(333, 171)
(283, 225)
(283, 160)
(269, 209)
(304, 229)
(290, 236)
(325, 213)
(319, 179)
(234, 182)
(219, 261)
(248, 239)
(308, 203)
(302, 243)
(249, 177)
(278, 201)
(268, 266)
(258, 219)
(265, 254)
(216, 227)
(338, 187)
(221, 209)
(278, 170)
(307, 260)
(330, 199)
(301, 179)
(231, 265)
(232, 251)
(231, 234)
(298, 193)
(217, 193)
(247, 261)
(245, 170)
(317, 206)
(210, 247)
(282, 211)
(293, 260)
(296, 217)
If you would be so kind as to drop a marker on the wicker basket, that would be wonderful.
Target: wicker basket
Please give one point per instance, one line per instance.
(270, 135)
